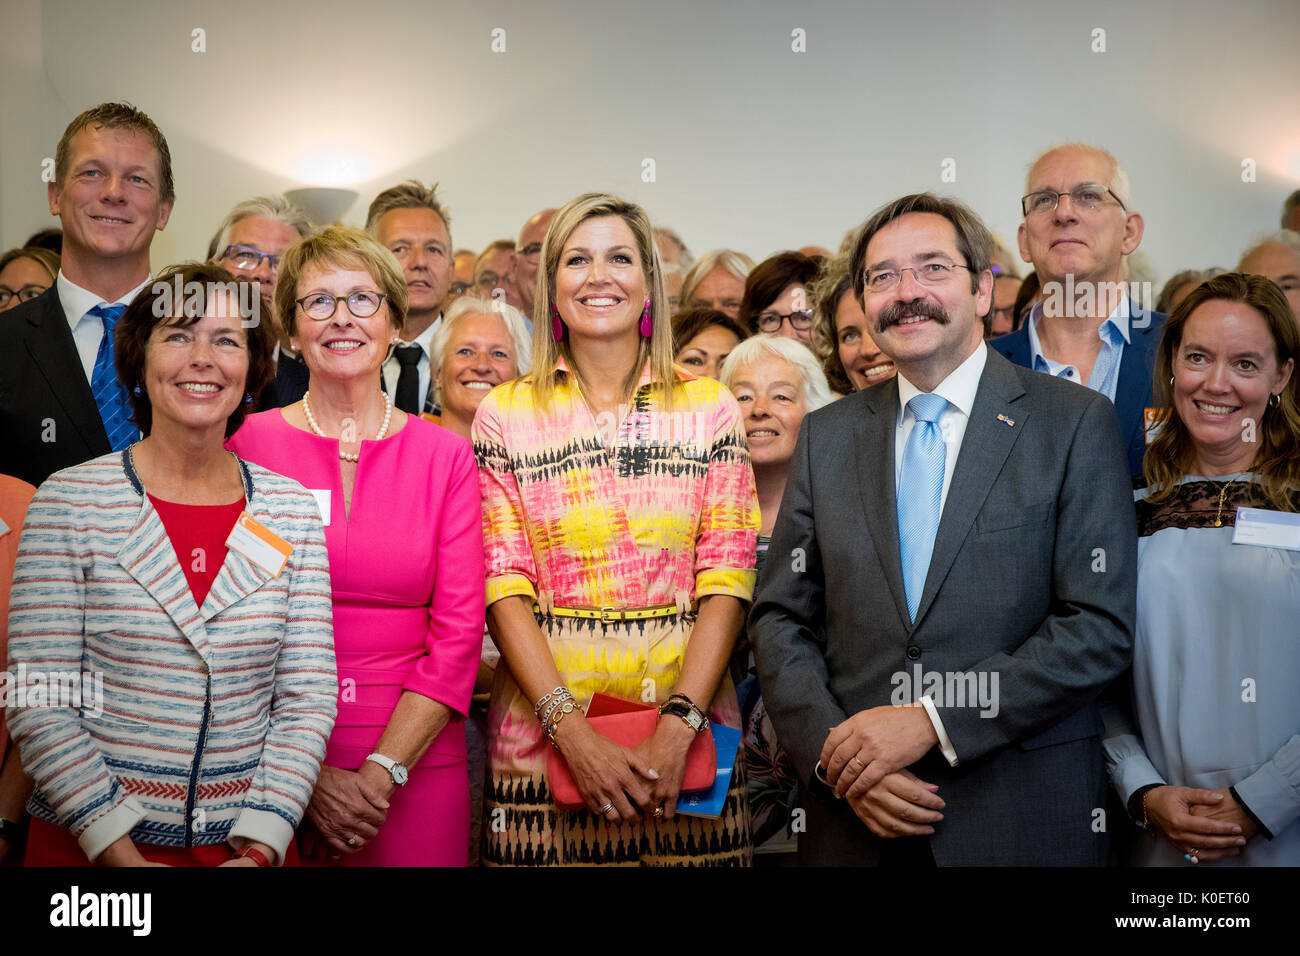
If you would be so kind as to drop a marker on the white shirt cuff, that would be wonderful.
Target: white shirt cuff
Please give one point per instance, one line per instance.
(945, 745)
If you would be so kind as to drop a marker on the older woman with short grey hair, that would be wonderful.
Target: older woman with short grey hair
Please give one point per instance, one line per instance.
(479, 345)
(776, 381)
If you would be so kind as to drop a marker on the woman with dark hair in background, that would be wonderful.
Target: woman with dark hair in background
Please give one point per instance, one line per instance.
(777, 300)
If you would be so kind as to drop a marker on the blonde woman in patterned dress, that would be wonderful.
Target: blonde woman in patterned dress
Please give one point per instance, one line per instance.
(620, 522)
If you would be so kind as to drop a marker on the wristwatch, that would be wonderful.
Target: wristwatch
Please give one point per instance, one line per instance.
(395, 770)
(692, 715)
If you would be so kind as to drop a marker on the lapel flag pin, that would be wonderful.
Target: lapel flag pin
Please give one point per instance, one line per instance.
(1003, 418)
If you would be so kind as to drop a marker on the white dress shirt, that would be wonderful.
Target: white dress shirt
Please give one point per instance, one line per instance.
(87, 329)
(959, 390)
(393, 368)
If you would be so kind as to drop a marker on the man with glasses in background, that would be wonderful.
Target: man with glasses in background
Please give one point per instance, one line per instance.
(528, 253)
(492, 273)
(1077, 228)
(249, 243)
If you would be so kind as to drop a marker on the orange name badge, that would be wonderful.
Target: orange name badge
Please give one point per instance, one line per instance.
(1152, 420)
(263, 547)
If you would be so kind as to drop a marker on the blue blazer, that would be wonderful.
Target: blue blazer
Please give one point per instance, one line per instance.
(1133, 391)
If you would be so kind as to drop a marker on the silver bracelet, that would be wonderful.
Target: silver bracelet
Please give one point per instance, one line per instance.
(537, 707)
(555, 705)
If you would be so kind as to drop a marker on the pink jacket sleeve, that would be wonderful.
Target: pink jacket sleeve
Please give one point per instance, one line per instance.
(455, 638)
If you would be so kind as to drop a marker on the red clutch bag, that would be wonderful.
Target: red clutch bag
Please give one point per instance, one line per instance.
(628, 723)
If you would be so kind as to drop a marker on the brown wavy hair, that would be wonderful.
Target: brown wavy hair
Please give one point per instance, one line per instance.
(1172, 453)
(155, 305)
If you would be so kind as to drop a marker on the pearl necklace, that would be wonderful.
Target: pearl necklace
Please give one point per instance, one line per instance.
(347, 456)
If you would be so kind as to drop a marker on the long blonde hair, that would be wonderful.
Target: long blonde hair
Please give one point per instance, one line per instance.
(547, 352)
(1172, 452)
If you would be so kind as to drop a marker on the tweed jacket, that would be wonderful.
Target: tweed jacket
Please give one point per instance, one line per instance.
(213, 720)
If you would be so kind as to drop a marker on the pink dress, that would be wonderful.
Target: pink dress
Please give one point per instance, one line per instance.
(406, 571)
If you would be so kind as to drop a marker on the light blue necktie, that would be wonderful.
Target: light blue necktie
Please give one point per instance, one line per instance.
(920, 490)
(110, 395)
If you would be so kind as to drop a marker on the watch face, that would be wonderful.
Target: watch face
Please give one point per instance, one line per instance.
(399, 774)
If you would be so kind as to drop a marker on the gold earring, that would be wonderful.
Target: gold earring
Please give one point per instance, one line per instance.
(1275, 399)
(1171, 381)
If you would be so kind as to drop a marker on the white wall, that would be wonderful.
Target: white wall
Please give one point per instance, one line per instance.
(756, 147)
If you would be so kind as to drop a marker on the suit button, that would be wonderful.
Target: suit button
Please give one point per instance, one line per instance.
(913, 652)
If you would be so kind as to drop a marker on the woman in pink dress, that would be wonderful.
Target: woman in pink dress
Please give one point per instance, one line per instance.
(401, 506)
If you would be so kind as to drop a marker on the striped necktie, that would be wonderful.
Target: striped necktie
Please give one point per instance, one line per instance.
(110, 394)
(920, 491)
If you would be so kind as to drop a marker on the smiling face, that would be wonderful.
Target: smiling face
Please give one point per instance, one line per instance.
(1225, 370)
(600, 286)
(720, 290)
(479, 356)
(1087, 243)
(770, 393)
(21, 280)
(861, 357)
(704, 354)
(111, 202)
(195, 374)
(343, 346)
(419, 240)
(928, 330)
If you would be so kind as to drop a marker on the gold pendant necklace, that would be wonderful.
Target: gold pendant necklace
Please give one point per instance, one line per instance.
(1223, 493)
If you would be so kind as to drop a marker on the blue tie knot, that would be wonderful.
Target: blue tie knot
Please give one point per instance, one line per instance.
(108, 314)
(927, 406)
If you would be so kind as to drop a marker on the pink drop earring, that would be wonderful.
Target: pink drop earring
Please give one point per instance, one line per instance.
(557, 324)
(647, 323)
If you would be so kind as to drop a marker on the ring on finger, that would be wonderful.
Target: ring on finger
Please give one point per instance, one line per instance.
(351, 840)
(659, 812)
(604, 811)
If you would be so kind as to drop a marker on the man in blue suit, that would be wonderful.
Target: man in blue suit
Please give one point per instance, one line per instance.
(1078, 227)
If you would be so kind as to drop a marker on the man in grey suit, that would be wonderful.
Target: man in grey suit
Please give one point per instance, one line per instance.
(942, 605)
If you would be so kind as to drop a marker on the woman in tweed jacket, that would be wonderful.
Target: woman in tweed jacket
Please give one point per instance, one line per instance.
(218, 677)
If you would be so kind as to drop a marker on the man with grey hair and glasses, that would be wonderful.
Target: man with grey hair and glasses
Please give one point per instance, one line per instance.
(1088, 327)
(249, 243)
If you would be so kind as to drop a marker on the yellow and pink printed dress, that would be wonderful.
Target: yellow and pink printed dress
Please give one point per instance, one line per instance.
(659, 508)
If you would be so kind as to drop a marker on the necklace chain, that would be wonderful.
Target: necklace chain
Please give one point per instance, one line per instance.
(1223, 493)
(347, 456)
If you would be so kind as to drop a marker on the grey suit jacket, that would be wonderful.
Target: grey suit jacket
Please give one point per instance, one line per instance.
(1033, 581)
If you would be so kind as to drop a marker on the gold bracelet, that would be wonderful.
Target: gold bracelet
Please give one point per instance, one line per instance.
(568, 706)
(1146, 821)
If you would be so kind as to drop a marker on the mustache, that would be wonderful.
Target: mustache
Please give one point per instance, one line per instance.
(893, 314)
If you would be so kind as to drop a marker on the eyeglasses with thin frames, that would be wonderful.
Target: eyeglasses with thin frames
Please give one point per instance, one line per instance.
(321, 306)
(247, 259)
(932, 273)
(1087, 196)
